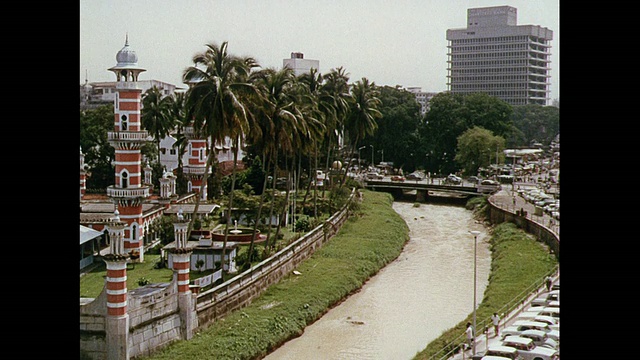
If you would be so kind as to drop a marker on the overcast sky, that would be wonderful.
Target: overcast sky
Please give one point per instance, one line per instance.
(390, 42)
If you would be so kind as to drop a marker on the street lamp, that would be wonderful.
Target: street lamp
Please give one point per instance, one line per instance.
(359, 163)
(475, 234)
(372, 163)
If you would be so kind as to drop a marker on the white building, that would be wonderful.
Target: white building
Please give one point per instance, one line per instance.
(299, 64)
(99, 93)
(422, 97)
(494, 55)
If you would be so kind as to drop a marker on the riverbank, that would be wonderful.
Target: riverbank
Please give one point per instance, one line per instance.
(338, 269)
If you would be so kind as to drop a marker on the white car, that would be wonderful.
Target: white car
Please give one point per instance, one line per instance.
(553, 295)
(553, 311)
(554, 324)
(529, 350)
(540, 338)
(501, 352)
(521, 325)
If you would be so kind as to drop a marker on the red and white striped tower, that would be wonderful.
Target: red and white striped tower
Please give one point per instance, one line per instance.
(128, 137)
(116, 288)
(83, 175)
(181, 255)
(196, 162)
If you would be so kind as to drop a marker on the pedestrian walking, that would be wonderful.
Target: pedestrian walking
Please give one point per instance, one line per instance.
(495, 318)
(469, 332)
(549, 282)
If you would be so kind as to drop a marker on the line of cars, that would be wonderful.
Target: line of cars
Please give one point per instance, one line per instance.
(547, 202)
(535, 333)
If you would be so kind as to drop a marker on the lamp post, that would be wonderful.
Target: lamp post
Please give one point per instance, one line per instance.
(475, 234)
(372, 162)
(359, 163)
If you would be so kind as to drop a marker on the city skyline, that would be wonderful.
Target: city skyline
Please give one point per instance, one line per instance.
(397, 43)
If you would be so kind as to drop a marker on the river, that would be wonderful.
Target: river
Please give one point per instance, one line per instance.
(425, 291)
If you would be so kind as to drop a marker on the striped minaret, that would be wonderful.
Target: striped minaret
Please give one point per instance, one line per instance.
(116, 268)
(196, 162)
(116, 290)
(181, 253)
(128, 137)
(83, 175)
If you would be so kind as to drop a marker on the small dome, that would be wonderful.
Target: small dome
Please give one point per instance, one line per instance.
(126, 55)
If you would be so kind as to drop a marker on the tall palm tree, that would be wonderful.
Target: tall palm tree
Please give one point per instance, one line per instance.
(217, 103)
(177, 110)
(155, 116)
(319, 105)
(336, 85)
(361, 119)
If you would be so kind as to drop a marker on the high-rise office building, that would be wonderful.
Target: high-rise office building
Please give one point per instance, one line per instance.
(496, 56)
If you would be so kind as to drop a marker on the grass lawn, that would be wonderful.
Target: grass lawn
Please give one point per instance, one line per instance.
(91, 283)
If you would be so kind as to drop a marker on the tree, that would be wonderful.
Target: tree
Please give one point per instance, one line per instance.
(397, 133)
(217, 104)
(155, 117)
(361, 118)
(474, 149)
(99, 155)
(451, 115)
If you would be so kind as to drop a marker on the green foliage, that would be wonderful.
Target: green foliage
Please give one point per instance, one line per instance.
(534, 123)
(143, 281)
(450, 116)
(475, 147)
(303, 225)
(98, 153)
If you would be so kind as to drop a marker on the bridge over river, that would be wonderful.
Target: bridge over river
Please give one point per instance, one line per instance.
(422, 188)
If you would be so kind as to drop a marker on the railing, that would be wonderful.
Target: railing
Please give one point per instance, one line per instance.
(512, 308)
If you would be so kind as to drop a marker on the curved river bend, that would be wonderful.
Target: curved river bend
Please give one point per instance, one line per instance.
(425, 291)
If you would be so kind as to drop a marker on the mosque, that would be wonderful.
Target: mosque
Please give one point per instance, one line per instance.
(132, 198)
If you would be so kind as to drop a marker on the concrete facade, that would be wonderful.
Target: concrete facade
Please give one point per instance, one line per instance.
(496, 56)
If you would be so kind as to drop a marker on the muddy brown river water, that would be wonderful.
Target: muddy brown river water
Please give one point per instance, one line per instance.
(425, 291)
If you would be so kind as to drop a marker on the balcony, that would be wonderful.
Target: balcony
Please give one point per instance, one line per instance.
(139, 192)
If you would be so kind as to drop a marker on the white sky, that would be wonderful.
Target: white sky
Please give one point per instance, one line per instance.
(390, 42)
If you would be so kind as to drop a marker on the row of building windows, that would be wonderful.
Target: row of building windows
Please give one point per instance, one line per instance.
(498, 71)
(497, 62)
(498, 55)
(503, 40)
(485, 79)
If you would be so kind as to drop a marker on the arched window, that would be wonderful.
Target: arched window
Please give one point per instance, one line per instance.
(124, 179)
(134, 232)
(123, 123)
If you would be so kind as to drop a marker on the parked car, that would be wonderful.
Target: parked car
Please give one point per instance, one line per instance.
(374, 176)
(397, 178)
(554, 323)
(453, 179)
(493, 357)
(529, 350)
(521, 325)
(553, 295)
(553, 311)
(502, 352)
(540, 338)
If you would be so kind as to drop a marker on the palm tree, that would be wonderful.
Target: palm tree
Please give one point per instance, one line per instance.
(217, 103)
(361, 119)
(177, 110)
(336, 85)
(155, 116)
